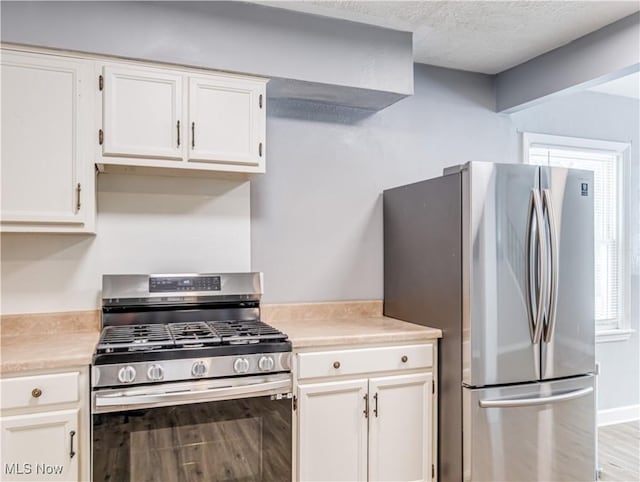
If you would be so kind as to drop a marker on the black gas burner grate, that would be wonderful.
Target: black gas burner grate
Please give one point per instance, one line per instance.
(134, 337)
(246, 331)
(193, 333)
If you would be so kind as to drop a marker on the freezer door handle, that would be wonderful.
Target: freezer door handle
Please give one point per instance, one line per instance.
(527, 402)
(547, 207)
(536, 267)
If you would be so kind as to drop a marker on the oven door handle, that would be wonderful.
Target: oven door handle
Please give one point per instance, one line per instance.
(135, 398)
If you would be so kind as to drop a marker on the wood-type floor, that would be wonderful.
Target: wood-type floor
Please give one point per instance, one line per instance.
(619, 452)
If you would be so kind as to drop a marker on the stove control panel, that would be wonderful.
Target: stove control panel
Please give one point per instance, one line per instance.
(180, 284)
(185, 369)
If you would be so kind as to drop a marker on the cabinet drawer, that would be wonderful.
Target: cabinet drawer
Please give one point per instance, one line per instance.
(364, 360)
(39, 390)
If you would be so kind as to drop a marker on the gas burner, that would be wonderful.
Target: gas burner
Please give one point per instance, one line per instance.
(246, 332)
(134, 338)
(178, 327)
(193, 334)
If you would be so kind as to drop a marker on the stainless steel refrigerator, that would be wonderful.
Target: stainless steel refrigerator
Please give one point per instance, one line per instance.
(500, 258)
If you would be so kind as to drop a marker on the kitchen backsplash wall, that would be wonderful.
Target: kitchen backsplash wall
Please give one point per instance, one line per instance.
(145, 224)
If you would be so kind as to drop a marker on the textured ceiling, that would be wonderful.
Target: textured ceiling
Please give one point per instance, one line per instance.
(480, 36)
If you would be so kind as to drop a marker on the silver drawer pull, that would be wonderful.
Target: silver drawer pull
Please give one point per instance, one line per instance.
(336, 364)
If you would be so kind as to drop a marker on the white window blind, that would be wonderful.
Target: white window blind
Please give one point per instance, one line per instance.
(606, 169)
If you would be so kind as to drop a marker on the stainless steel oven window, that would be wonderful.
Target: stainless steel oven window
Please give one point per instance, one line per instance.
(246, 439)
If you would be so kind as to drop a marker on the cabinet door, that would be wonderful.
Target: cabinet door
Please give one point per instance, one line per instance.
(226, 120)
(400, 428)
(47, 169)
(332, 431)
(141, 113)
(40, 446)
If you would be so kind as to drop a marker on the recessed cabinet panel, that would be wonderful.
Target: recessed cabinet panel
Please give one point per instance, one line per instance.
(46, 164)
(40, 446)
(332, 431)
(142, 110)
(225, 121)
(400, 428)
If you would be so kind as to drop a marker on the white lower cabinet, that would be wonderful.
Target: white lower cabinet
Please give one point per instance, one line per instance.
(333, 431)
(44, 427)
(400, 427)
(374, 426)
(40, 446)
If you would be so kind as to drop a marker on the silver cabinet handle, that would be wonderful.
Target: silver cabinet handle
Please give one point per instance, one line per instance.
(366, 405)
(375, 408)
(527, 402)
(193, 135)
(553, 258)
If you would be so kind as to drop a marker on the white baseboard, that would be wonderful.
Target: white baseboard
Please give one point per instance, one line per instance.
(618, 415)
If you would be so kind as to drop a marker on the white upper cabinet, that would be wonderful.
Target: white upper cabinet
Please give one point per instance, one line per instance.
(225, 120)
(181, 119)
(142, 111)
(48, 180)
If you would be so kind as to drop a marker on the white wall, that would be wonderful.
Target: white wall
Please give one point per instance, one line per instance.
(145, 224)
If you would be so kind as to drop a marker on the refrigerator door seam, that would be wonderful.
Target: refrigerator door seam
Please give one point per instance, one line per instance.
(553, 261)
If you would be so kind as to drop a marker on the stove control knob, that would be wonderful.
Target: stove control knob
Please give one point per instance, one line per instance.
(266, 363)
(241, 365)
(127, 374)
(199, 369)
(155, 373)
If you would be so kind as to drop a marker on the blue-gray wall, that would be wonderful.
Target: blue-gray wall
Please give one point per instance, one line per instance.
(308, 56)
(316, 214)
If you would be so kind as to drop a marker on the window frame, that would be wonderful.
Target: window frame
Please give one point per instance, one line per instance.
(621, 329)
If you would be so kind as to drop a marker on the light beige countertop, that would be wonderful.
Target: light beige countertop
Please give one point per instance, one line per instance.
(64, 340)
(354, 331)
(43, 341)
(21, 353)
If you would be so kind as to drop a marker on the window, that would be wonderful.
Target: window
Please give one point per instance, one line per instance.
(608, 162)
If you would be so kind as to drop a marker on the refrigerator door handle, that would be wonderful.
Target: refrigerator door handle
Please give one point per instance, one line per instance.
(527, 402)
(547, 207)
(529, 269)
(536, 264)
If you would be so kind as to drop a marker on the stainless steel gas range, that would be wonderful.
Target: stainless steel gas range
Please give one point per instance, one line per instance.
(188, 383)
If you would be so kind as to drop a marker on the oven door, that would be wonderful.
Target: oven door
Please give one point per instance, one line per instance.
(230, 429)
